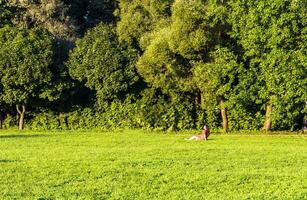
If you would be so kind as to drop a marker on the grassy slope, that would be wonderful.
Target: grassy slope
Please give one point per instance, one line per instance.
(136, 165)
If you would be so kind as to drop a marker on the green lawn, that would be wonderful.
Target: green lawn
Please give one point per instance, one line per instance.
(143, 165)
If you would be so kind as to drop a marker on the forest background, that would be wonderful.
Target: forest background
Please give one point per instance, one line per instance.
(153, 64)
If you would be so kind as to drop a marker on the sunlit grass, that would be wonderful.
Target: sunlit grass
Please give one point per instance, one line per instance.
(144, 165)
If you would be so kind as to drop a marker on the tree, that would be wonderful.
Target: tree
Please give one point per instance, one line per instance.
(66, 21)
(103, 64)
(273, 36)
(8, 13)
(217, 78)
(138, 18)
(25, 60)
(196, 28)
(162, 68)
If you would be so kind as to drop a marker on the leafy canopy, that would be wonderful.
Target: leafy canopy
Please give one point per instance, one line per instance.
(25, 60)
(273, 36)
(102, 63)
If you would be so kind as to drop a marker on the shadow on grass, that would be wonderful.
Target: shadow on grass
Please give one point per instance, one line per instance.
(17, 136)
(7, 161)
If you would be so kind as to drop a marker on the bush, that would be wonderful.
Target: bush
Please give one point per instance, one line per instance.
(9, 121)
(45, 121)
(153, 110)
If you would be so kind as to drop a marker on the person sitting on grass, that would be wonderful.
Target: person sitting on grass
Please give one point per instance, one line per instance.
(203, 136)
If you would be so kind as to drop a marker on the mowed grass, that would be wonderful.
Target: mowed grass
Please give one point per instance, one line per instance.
(144, 165)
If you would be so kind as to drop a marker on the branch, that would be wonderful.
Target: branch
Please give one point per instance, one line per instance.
(23, 108)
(17, 108)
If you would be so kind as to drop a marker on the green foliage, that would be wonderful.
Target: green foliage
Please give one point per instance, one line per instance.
(25, 58)
(119, 114)
(9, 122)
(272, 34)
(139, 17)
(177, 59)
(164, 112)
(244, 118)
(162, 68)
(103, 64)
(154, 64)
(217, 77)
(153, 111)
(196, 27)
(5, 13)
(115, 115)
(45, 121)
(82, 119)
(216, 80)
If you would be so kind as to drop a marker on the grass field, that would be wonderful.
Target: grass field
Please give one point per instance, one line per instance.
(143, 165)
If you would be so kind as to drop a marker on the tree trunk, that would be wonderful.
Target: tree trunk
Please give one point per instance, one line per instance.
(21, 116)
(268, 123)
(224, 115)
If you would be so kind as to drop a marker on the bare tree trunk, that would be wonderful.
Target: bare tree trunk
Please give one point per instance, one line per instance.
(224, 115)
(21, 116)
(268, 123)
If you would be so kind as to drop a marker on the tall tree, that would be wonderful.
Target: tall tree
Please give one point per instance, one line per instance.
(103, 64)
(25, 60)
(273, 36)
(66, 21)
(217, 78)
(195, 29)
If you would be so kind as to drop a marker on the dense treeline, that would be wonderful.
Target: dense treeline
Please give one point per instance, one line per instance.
(167, 65)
